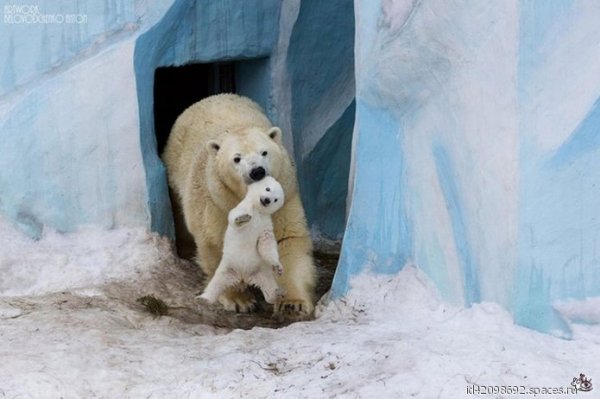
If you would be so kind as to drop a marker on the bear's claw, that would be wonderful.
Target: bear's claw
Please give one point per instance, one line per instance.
(293, 309)
(238, 301)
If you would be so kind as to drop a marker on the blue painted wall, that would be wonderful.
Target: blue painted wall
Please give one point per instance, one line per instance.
(325, 174)
(194, 32)
(559, 225)
(320, 66)
(477, 152)
(33, 49)
(490, 185)
(80, 149)
(68, 120)
(379, 234)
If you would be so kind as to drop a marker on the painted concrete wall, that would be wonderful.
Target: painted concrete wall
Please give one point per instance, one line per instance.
(76, 101)
(476, 150)
(475, 154)
(69, 155)
(194, 31)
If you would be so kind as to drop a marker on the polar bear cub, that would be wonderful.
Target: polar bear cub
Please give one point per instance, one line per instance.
(250, 250)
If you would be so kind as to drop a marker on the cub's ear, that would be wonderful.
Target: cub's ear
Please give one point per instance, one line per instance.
(213, 146)
(275, 134)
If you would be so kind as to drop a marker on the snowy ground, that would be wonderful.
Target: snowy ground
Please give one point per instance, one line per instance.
(69, 327)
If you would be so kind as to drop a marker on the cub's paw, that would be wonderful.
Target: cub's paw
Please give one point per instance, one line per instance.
(293, 309)
(278, 269)
(205, 298)
(238, 301)
(242, 220)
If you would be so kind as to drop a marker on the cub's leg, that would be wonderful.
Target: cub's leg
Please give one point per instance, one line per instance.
(267, 249)
(265, 280)
(224, 278)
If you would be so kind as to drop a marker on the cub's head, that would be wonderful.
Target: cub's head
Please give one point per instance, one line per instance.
(266, 195)
(247, 155)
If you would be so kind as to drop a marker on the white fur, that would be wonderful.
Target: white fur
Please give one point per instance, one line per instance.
(250, 253)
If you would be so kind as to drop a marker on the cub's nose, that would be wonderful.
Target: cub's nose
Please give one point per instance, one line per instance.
(265, 201)
(258, 173)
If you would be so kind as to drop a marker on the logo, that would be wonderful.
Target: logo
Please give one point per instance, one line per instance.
(582, 383)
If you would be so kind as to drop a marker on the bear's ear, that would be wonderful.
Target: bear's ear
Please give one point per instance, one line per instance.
(213, 146)
(275, 134)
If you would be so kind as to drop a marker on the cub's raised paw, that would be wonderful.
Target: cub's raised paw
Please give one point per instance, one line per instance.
(242, 219)
(293, 309)
(278, 269)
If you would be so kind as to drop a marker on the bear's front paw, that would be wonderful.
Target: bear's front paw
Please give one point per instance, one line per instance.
(293, 309)
(242, 219)
(278, 269)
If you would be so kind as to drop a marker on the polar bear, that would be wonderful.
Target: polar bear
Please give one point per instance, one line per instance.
(250, 250)
(216, 148)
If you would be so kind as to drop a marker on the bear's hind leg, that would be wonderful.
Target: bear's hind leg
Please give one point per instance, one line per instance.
(207, 257)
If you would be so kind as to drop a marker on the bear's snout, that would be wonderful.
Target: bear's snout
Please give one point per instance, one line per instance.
(258, 173)
(265, 201)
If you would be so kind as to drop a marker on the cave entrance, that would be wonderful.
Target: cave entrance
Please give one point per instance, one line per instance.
(175, 89)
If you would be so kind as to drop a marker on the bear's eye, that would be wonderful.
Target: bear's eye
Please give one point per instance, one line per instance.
(237, 159)
(267, 189)
(275, 199)
(264, 154)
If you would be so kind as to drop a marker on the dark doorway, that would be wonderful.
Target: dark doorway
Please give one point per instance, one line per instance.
(176, 88)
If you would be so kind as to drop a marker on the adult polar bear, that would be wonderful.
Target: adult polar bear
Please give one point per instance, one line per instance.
(216, 148)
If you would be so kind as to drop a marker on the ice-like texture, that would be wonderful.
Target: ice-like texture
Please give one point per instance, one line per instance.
(76, 108)
(320, 64)
(476, 150)
(69, 127)
(559, 202)
(294, 59)
(69, 155)
(195, 31)
(477, 146)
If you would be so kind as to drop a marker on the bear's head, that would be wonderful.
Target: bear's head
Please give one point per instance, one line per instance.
(247, 155)
(266, 195)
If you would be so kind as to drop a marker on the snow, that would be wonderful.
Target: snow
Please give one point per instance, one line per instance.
(392, 336)
(58, 262)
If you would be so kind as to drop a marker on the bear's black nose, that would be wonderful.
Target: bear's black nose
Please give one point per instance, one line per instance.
(257, 174)
(265, 201)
